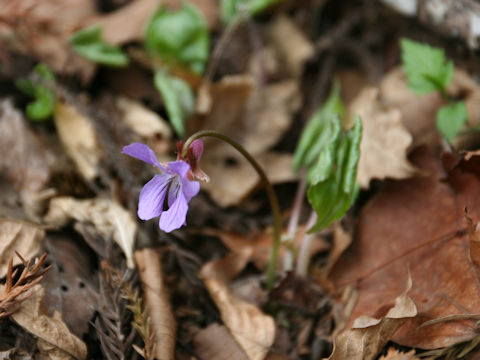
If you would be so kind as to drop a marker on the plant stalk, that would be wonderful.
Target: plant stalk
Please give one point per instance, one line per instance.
(272, 197)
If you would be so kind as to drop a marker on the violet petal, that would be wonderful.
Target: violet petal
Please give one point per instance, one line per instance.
(142, 152)
(179, 167)
(190, 188)
(174, 217)
(152, 197)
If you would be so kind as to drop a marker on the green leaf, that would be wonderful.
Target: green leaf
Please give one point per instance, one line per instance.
(451, 118)
(42, 107)
(88, 43)
(230, 8)
(426, 68)
(179, 38)
(178, 98)
(335, 194)
(319, 130)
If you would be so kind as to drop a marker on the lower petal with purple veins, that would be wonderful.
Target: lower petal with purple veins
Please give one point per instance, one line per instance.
(152, 197)
(176, 215)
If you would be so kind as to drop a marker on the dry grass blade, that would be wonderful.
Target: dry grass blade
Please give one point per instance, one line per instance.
(141, 322)
(113, 323)
(13, 293)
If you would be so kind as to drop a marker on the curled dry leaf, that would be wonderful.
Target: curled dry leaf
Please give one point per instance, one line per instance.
(419, 112)
(109, 218)
(24, 162)
(157, 302)
(369, 335)
(54, 336)
(18, 236)
(418, 224)
(252, 329)
(78, 136)
(385, 140)
(215, 342)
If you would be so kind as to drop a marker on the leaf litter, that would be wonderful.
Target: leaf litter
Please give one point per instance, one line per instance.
(109, 285)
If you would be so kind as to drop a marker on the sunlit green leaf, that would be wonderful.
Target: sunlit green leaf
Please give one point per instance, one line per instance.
(451, 118)
(319, 130)
(426, 67)
(178, 98)
(42, 107)
(179, 38)
(89, 44)
(333, 196)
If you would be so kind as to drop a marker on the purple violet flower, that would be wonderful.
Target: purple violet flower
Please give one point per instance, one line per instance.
(172, 185)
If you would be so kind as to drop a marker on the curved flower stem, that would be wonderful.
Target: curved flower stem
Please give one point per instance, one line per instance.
(272, 197)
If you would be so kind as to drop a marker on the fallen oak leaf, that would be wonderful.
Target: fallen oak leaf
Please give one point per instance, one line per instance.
(51, 331)
(252, 329)
(368, 335)
(418, 225)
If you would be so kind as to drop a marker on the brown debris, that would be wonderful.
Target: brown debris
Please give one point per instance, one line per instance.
(15, 291)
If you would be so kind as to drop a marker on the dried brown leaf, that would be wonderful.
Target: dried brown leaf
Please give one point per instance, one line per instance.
(252, 329)
(368, 335)
(163, 324)
(394, 354)
(41, 29)
(54, 336)
(418, 224)
(232, 178)
(70, 283)
(385, 140)
(109, 218)
(257, 117)
(24, 161)
(215, 342)
(79, 139)
(143, 121)
(293, 47)
(18, 236)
